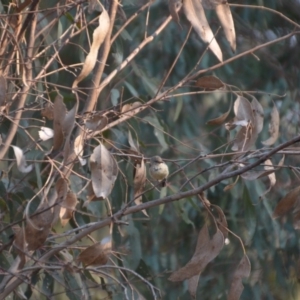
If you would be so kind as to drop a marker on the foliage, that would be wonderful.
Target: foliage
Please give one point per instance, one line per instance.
(90, 91)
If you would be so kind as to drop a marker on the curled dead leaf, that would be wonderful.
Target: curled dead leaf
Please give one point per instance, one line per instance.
(174, 7)
(104, 171)
(61, 187)
(245, 139)
(98, 38)
(242, 271)
(38, 227)
(221, 119)
(67, 208)
(78, 147)
(258, 113)
(206, 250)
(194, 12)
(273, 127)
(243, 110)
(225, 17)
(221, 220)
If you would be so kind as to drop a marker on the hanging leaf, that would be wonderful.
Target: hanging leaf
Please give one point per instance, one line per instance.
(221, 220)
(21, 161)
(287, 203)
(242, 271)
(38, 227)
(69, 120)
(224, 15)
(104, 171)
(98, 38)
(61, 187)
(193, 285)
(139, 182)
(206, 250)
(174, 7)
(273, 127)
(210, 83)
(67, 208)
(258, 113)
(221, 119)
(245, 139)
(46, 133)
(243, 110)
(194, 12)
(78, 147)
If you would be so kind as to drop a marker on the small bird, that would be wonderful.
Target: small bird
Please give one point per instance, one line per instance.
(159, 170)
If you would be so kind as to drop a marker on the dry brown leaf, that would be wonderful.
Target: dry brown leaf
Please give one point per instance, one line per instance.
(245, 139)
(221, 119)
(38, 227)
(59, 113)
(273, 127)
(20, 242)
(206, 250)
(258, 113)
(193, 285)
(67, 207)
(230, 186)
(104, 170)
(69, 120)
(98, 37)
(174, 7)
(243, 110)
(3, 87)
(221, 221)
(224, 15)
(194, 12)
(209, 82)
(242, 271)
(287, 203)
(78, 147)
(269, 167)
(61, 187)
(139, 182)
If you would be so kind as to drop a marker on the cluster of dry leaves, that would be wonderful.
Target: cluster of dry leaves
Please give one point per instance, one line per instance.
(194, 12)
